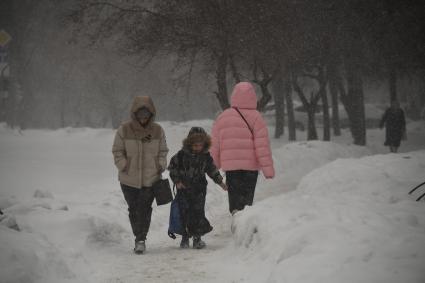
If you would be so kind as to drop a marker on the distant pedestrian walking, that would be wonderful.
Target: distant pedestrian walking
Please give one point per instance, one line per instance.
(395, 124)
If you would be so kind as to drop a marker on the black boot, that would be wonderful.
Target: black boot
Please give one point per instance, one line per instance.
(198, 243)
(184, 244)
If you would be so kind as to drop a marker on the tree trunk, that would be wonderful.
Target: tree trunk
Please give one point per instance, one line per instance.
(234, 70)
(333, 89)
(326, 117)
(354, 98)
(279, 102)
(263, 83)
(115, 120)
(221, 75)
(23, 101)
(290, 108)
(310, 108)
(8, 22)
(114, 111)
(16, 24)
(11, 104)
(355, 102)
(393, 84)
(265, 97)
(311, 129)
(325, 103)
(5, 89)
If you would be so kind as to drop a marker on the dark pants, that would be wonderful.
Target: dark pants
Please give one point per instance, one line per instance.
(192, 210)
(241, 188)
(139, 209)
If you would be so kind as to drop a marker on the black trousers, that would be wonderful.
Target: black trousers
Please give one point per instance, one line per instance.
(241, 188)
(192, 210)
(139, 209)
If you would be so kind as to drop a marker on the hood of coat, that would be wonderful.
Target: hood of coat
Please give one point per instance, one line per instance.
(142, 101)
(243, 96)
(195, 138)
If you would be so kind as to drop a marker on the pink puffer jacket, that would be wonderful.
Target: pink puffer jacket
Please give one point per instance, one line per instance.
(234, 147)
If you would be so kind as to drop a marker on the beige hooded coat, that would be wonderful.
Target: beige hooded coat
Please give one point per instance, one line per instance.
(140, 153)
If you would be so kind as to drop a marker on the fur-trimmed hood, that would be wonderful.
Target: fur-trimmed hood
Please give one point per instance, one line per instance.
(195, 137)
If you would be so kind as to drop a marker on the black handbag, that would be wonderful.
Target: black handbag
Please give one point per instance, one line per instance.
(162, 191)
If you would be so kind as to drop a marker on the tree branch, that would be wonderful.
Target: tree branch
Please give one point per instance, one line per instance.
(299, 91)
(311, 76)
(134, 9)
(235, 73)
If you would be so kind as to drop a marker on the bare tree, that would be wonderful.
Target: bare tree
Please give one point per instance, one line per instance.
(310, 106)
(278, 87)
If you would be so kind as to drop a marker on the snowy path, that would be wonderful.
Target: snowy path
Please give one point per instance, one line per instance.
(91, 240)
(83, 178)
(164, 261)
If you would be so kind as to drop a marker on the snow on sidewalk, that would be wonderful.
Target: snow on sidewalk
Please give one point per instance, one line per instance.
(294, 160)
(351, 220)
(61, 188)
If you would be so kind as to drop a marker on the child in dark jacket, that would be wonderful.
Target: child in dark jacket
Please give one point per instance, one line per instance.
(187, 170)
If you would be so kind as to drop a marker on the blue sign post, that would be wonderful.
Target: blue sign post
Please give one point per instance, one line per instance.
(5, 38)
(3, 55)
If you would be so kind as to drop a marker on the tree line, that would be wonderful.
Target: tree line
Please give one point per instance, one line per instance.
(283, 46)
(276, 44)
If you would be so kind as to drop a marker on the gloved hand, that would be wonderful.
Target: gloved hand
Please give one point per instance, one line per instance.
(180, 186)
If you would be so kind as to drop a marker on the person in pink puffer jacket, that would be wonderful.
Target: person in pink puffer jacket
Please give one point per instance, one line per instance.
(241, 146)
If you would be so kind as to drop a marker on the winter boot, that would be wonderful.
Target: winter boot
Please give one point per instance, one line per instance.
(233, 224)
(140, 247)
(198, 243)
(184, 244)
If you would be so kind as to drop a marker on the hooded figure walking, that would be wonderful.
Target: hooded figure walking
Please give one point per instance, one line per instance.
(187, 170)
(140, 154)
(395, 126)
(241, 146)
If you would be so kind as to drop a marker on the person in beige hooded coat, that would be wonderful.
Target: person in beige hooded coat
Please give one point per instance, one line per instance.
(140, 154)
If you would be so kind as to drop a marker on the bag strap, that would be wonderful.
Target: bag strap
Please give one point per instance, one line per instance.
(249, 127)
(174, 190)
(170, 234)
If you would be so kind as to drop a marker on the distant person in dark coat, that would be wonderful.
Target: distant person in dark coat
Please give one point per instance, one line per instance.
(395, 124)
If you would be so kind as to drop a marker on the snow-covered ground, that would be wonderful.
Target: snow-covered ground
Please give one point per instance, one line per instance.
(334, 213)
(348, 221)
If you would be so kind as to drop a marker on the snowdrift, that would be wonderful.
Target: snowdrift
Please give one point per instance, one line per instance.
(66, 219)
(295, 160)
(351, 220)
